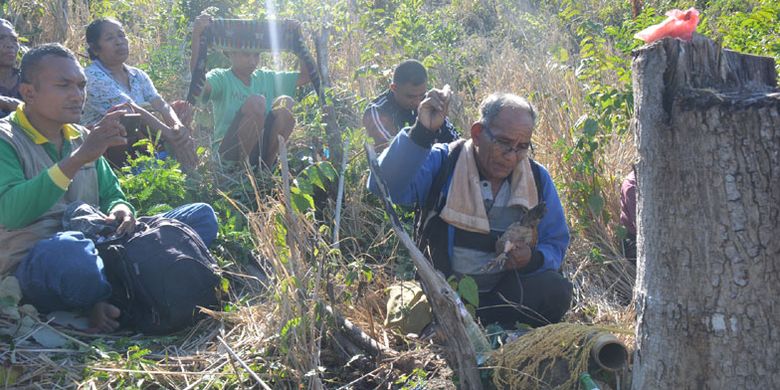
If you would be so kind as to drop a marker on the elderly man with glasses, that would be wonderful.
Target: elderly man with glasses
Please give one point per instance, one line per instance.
(487, 210)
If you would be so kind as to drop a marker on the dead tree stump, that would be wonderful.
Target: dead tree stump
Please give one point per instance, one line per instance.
(708, 283)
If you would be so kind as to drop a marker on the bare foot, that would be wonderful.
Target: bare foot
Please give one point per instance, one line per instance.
(103, 317)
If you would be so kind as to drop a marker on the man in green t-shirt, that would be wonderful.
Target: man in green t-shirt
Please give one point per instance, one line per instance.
(252, 107)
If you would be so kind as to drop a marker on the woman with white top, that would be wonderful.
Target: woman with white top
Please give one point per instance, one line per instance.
(111, 83)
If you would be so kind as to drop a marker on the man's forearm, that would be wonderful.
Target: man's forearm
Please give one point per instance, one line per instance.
(401, 165)
(72, 164)
(305, 76)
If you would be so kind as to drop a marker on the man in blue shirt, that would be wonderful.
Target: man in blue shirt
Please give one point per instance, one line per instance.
(487, 185)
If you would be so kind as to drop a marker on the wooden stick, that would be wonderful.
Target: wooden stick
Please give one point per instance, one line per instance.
(445, 303)
(241, 362)
(292, 222)
(357, 336)
(340, 195)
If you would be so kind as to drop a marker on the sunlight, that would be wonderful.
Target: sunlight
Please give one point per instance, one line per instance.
(273, 33)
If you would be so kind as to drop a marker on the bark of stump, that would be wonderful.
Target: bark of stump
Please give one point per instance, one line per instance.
(708, 282)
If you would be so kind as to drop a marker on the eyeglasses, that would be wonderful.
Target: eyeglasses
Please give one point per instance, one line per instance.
(506, 147)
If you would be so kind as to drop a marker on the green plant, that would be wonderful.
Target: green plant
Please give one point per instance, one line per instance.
(151, 184)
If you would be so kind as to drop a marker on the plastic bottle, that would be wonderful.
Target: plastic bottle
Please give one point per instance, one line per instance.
(587, 382)
(476, 336)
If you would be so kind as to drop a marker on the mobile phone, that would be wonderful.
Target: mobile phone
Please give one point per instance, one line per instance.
(131, 122)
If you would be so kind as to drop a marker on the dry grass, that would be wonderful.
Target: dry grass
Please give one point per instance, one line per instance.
(275, 325)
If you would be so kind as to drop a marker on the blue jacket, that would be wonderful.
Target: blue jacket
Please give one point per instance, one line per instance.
(409, 170)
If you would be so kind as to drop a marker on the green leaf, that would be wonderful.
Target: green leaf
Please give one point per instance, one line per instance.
(327, 170)
(301, 202)
(596, 203)
(590, 127)
(467, 288)
(313, 175)
(305, 185)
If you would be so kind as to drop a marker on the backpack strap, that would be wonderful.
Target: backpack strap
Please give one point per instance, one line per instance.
(433, 200)
(536, 170)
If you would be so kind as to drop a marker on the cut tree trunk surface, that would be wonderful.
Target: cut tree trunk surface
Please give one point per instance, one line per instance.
(708, 133)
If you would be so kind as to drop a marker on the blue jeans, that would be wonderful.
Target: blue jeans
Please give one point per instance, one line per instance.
(64, 272)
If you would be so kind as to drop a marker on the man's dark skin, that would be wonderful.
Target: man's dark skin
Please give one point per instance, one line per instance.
(408, 96)
(243, 64)
(55, 97)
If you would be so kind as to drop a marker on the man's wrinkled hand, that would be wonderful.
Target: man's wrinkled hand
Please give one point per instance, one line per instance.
(122, 215)
(434, 108)
(518, 256)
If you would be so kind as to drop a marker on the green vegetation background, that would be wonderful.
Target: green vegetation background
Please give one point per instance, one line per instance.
(571, 58)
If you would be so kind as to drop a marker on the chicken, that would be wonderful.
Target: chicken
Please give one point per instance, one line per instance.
(523, 231)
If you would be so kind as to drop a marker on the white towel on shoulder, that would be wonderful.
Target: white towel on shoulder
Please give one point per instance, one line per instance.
(465, 208)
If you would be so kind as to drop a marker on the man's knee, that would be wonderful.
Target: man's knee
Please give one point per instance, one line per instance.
(285, 102)
(557, 294)
(254, 105)
(283, 118)
(204, 221)
(63, 272)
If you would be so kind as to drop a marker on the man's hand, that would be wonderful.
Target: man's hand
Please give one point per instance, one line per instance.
(105, 134)
(433, 109)
(518, 257)
(177, 137)
(184, 110)
(122, 215)
(201, 22)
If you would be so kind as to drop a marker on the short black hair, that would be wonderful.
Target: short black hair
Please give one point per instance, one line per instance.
(410, 72)
(94, 30)
(32, 59)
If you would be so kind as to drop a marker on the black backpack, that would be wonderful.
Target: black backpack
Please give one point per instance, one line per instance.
(160, 275)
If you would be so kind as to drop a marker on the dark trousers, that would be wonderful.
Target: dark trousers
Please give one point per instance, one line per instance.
(536, 300)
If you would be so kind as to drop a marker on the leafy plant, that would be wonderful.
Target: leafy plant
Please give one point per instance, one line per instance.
(153, 185)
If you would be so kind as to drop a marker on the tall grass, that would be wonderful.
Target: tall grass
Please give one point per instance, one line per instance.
(273, 320)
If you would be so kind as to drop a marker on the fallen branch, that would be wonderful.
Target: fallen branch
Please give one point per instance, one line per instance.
(357, 336)
(445, 303)
(244, 365)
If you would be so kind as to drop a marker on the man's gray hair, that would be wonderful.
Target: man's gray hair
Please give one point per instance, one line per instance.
(493, 104)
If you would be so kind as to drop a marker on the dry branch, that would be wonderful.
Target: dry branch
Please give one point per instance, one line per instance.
(445, 303)
(357, 336)
(243, 364)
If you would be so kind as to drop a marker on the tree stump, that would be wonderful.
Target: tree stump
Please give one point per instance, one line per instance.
(708, 282)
